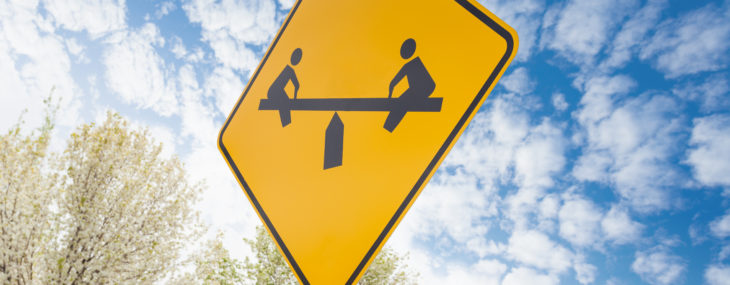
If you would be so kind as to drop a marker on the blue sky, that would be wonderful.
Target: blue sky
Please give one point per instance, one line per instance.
(601, 157)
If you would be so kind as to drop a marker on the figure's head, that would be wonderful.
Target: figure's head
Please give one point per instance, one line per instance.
(296, 56)
(408, 48)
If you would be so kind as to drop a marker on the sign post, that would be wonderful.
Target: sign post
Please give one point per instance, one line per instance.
(349, 114)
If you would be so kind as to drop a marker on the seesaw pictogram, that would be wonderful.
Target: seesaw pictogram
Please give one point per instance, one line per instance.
(414, 99)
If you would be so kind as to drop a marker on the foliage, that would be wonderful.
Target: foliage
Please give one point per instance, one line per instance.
(26, 189)
(388, 268)
(213, 265)
(125, 208)
(109, 209)
(270, 267)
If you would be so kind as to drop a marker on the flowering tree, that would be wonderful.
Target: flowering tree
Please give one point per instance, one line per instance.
(126, 211)
(213, 264)
(109, 209)
(26, 189)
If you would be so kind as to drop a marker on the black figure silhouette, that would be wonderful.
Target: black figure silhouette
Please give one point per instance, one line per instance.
(276, 91)
(420, 84)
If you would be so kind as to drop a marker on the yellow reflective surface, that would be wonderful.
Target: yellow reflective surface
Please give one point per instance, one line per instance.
(328, 219)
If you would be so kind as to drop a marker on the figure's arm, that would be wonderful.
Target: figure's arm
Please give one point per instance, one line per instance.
(398, 77)
(295, 82)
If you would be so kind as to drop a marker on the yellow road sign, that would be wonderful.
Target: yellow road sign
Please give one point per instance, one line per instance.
(350, 112)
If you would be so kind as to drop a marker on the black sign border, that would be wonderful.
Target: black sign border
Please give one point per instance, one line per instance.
(431, 166)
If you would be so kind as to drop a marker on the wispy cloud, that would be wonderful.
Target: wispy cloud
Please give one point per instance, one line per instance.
(717, 274)
(659, 266)
(34, 62)
(579, 30)
(524, 16)
(94, 17)
(136, 72)
(710, 157)
(695, 42)
(630, 142)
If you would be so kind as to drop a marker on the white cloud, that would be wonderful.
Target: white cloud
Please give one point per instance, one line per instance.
(522, 15)
(136, 72)
(658, 266)
(27, 42)
(433, 270)
(724, 253)
(534, 248)
(286, 4)
(632, 34)
(231, 53)
(549, 206)
(721, 226)
(712, 94)
(630, 142)
(97, 17)
(696, 235)
(484, 247)
(718, 274)
(618, 227)
(695, 42)
(178, 48)
(518, 81)
(225, 86)
(74, 47)
(487, 147)
(224, 206)
(710, 157)
(164, 8)
(599, 94)
(453, 206)
(519, 207)
(165, 136)
(230, 27)
(483, 272)
(197, 117)
(536, 160)
(585, 273)
(524, 275)
(579, 222)
(593, 166)
(540, 156)
(579, 30)
(559, 102)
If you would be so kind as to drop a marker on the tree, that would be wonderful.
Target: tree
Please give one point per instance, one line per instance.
(213, 264)
(270, 267)
(109, 209)
(26, 189)
(126, 211)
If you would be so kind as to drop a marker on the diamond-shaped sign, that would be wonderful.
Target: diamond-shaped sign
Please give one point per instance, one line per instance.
(350, 112)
